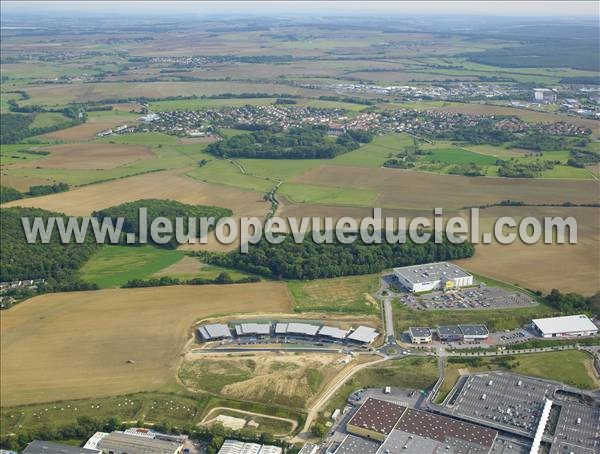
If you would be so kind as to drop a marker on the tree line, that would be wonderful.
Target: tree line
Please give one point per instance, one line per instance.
(309, 260)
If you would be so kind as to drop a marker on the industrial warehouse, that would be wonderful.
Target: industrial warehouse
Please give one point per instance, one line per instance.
(386, 427)
(569, 326)
(433, 276)
(523, 406)
(362, 335)
(485, 413)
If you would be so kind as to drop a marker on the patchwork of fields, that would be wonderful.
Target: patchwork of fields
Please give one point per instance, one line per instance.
(124, 352)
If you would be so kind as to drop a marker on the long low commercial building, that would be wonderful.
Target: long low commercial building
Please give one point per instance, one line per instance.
(292, 330)
(467, 333)
(433, 276)
(569, 326)
(215, 331)
(239, 447)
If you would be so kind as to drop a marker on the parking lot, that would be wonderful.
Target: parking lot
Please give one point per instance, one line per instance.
(482, 297)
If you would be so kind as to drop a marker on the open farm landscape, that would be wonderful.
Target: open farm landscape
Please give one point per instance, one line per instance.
(267, 112)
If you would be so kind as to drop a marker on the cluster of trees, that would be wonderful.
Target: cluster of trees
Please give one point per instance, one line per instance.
(467, 169)
(307, 142)
(56, 262)
(169, 209)
(581, 157)
(405, 162)
(45, 189)
(222, 278)
(518, 169)
(570, 303)
(309, 260)
(541, 142)
(14, 127)
(484, 132)
(8, 194)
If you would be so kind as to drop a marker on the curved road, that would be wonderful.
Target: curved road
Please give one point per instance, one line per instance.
(330, 391)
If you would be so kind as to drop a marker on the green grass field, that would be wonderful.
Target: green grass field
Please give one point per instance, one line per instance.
(341, 195)
(495, 319)
(150, 407)
(48, 120)
(341, 294)
(408, 373)
(458, 156)
(113, 266)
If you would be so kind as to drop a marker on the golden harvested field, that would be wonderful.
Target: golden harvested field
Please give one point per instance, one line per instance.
(23, 183)
(81, 132)
(568, 267)
(89, 156)
(284, 379)
(80, 344)
(159, 185)
(419, 190)
(66, 93)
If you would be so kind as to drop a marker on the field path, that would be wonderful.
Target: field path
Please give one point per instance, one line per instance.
(329, 391)
(294, 423)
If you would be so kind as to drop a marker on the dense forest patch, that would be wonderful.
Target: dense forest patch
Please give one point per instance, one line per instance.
(56, 262)
(169, 209)
(309, 260)
(309, 142)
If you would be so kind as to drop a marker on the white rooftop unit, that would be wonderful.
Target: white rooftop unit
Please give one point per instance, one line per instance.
(363, 334)
(253, 329)
(572, 325)
(281, 328)
(333, 332)
(93, 441)
(302, 328)
(214, 331)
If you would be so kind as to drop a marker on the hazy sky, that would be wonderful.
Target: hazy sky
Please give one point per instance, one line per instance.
(494, 8)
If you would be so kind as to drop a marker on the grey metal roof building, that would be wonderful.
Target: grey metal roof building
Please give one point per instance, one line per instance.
(302, 329)
(363, 334)
(449, 332)
(49, 447)
(356, 445)
(474, 331)
(333, 332)
(418, 274)
(122, 443)
(253, 329)
(214, 331)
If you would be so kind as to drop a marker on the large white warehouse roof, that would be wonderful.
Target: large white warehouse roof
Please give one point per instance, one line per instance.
(568, 324)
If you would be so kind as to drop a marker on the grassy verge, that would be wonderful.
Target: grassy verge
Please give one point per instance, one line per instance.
(408, 373)
(342, 294)
(495, 319)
